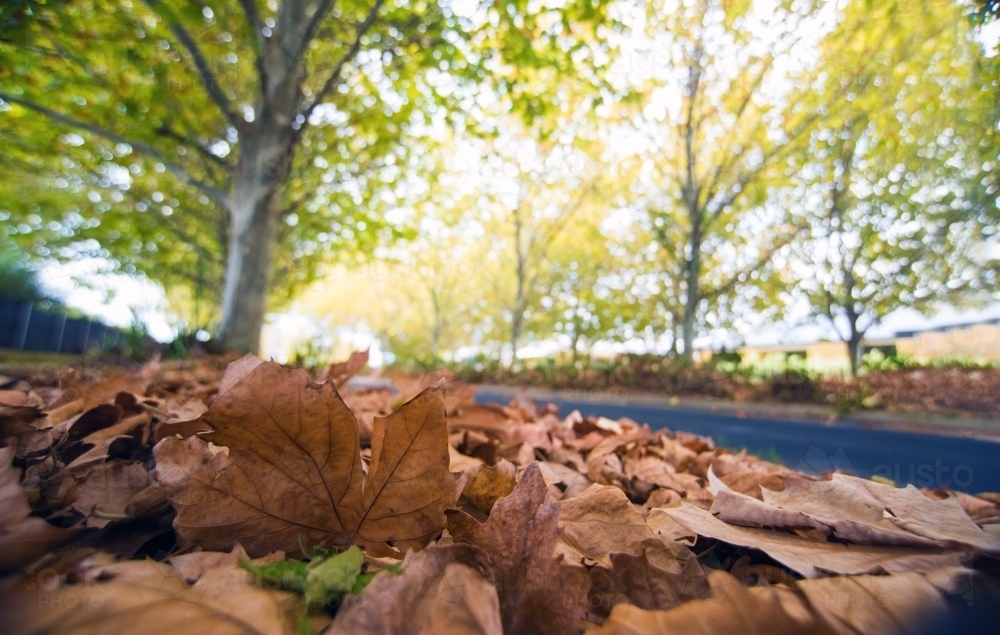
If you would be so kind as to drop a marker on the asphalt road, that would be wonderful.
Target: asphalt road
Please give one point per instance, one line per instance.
(969, 465)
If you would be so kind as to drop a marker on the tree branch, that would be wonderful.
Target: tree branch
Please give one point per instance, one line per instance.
(331, 80)
(204, 70)
(714, 211)
(310, 32)
(253, 19)
(724, 165)
(143, 148)
(167, 131)
(730, 284)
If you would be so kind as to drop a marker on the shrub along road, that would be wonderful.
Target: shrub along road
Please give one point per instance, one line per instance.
(925, 460)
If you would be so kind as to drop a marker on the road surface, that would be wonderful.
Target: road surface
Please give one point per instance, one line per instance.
(966, 464)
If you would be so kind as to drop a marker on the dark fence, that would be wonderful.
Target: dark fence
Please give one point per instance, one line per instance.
(26, 328)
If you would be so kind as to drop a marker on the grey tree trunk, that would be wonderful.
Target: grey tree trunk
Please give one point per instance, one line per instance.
(254, 214)
(687, 328)
(248, 276)
(438, 323)
(692, 297)
(267, 145)
(517, 319)
(854, 351)
(854, 340)
(515, 334)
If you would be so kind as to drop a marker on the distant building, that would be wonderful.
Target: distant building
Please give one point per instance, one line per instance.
(973, 341)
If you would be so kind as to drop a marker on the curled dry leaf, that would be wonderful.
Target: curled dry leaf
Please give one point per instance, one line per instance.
(442, 589)
(909, 509)
(96, 393)
(740, 509)
(23, 538)
(858, 511)
(656, 471)
(813, 558)
(107, 490)
(829, 606)
(539, 591)
(562, 481)
(185, 418)
(490, 419)
(340, 372)
(14, 398)
(27, 426)
(851, 514)
(292, 474)
(485, 484)
(191, 566)
(185, 410)
(981, 510)
(599, 521)
(668, 529)
(659, 578)
(134, 421)
(458, 462)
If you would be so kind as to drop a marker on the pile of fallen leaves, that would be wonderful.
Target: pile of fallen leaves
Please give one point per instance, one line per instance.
(972, 391)
(961, 390)
(181, 498)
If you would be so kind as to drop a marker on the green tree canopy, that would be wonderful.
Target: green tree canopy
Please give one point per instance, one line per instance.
(230, 148)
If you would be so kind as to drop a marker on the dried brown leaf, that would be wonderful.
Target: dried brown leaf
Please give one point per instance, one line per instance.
(865, 512)
(830, 606)
(563, 481)
(442, 589)
(191, 566)
(458, 462)
(813, 558)
(490, 419)
(106, 491)
(23, 538)
(237, 372)
(668, 529)
(486, 484)
(146, 597)
(539, 591)
(599, 521)
(658, 578)
(655, 470)
(293, 472)
(340, 372)
(95, 393)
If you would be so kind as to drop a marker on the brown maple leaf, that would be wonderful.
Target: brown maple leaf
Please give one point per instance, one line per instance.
(292, 474)
(539, 591)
